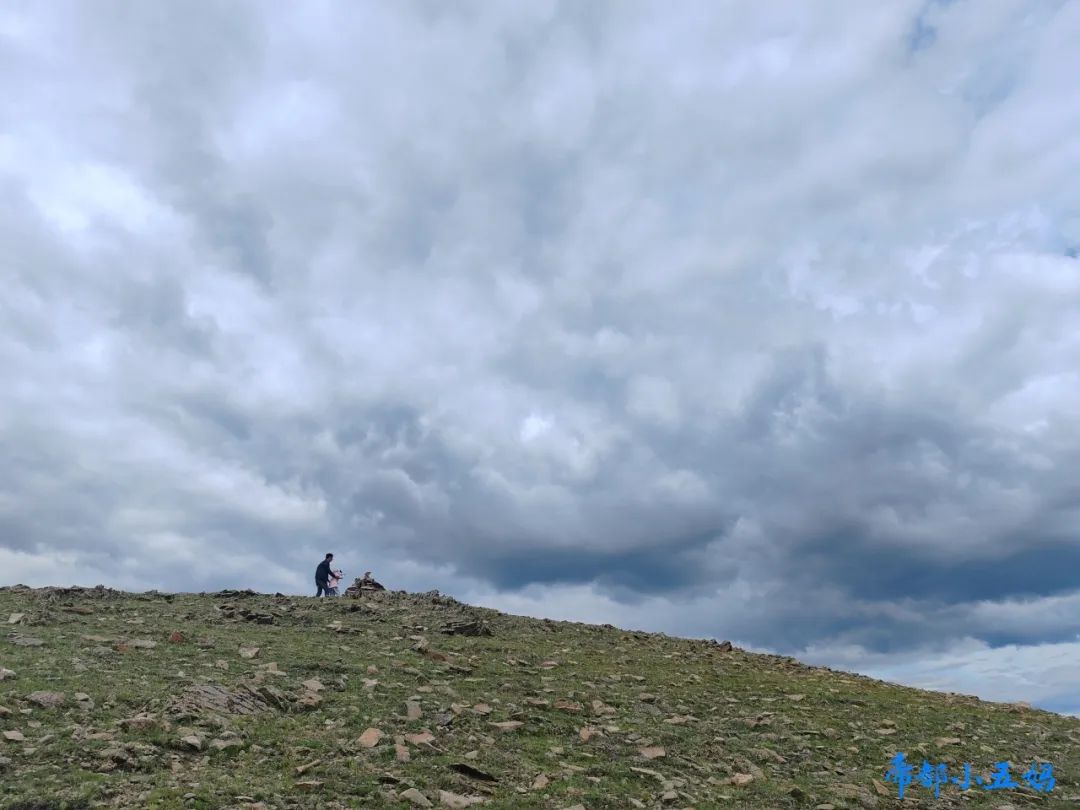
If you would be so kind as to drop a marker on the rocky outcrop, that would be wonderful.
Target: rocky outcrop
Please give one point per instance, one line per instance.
(363, 584)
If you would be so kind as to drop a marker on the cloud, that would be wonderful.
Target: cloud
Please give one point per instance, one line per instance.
(748, 324)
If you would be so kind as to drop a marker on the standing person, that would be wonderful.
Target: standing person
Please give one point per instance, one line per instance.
(322, 576)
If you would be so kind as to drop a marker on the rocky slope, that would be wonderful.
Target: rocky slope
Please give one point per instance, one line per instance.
(389, 699)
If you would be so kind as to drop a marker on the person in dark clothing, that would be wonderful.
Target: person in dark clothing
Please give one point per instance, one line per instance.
(322, 575)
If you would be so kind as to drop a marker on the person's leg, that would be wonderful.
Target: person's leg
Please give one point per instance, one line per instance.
(319, 589)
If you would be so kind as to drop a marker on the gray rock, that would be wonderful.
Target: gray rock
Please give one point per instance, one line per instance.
(47, 700)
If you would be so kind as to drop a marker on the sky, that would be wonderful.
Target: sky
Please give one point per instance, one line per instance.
(756, 321)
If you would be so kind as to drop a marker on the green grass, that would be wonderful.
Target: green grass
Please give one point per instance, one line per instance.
(822, 748)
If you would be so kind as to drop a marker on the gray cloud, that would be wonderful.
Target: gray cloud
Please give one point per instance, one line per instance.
(724, 322)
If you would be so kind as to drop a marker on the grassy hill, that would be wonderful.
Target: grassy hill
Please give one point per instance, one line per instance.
(243, 700)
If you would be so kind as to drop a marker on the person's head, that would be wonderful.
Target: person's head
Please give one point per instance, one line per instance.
(329, 557)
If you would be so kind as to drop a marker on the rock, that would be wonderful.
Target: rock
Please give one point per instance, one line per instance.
(176, 637)
(940, 741)
(741, 779)
(567, 705)
(6, 674)
(258, 618)
(364, 584)
(415, 797)
(142, 644)
(467, 628)
(879, 787)
(724, 646)
(214, 699)
(465, 769)
(308, 784)
(401, 752)
(14, 736)
(312, 685)
(855, 793)
(249, 652)
(652, 752)
(481, 708)
(508, 725)
(768, 753)
(27, 641)
(422, 738)
(413, 710)
(141, 722)
(749, 767)
(370, 738)
(192, 741)
(116, 757)
(540, 782)
(16, 618)
(448, 799)
(587, 733)
(47, 700)
(302, 769)
(601, 708)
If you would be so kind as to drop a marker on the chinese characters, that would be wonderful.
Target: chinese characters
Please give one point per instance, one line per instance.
(1039, 777)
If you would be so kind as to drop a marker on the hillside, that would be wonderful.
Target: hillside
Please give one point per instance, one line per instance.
(239, 700)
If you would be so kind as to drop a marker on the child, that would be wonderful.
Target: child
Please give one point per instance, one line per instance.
(332, 583)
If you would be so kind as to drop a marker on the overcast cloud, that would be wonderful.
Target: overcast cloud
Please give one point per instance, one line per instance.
(756, 321)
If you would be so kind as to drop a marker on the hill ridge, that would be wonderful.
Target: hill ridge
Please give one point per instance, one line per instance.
(396, 699)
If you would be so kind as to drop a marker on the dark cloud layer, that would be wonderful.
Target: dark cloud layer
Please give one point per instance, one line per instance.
(716, 320)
